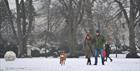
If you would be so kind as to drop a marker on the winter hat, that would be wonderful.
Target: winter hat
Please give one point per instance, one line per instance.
(97, 31)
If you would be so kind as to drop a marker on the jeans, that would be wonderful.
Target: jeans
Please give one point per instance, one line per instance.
(97, 50)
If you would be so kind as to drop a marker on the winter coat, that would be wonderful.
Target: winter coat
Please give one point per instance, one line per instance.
(88, 47)
(107, 49)
(99, 41)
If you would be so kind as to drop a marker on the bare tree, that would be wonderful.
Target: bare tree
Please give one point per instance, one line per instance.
(10, 17)
(53, 19)
(132, 19)
(73, 12)
(24, 19)
(2, 18)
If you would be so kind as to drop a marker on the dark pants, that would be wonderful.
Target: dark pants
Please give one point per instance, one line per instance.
(108, 53)
(97, 50)
(88, 61)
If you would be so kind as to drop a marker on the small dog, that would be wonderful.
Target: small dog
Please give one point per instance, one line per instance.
(62, 57)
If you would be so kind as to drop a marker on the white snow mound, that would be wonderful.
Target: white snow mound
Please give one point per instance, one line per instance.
(10, 56)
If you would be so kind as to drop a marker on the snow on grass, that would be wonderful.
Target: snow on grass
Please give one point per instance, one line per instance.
(72, 64)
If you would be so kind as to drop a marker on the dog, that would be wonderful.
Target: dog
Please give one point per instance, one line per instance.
(63, 58)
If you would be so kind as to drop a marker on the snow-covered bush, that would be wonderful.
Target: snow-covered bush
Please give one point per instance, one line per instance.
(10, 56)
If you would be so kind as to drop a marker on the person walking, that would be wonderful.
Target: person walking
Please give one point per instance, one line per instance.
(99, 41)
(108, 49)
(88, 47)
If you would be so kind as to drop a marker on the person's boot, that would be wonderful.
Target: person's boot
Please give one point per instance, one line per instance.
(111, 60)
(95, 64)
(102, 62)
(89, 61)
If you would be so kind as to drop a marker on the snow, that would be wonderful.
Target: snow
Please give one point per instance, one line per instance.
(12, 4)
(72, 64)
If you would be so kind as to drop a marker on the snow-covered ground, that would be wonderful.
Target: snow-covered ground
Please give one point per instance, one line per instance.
(72, 64)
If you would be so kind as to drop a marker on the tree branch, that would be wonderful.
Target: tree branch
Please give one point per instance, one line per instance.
(137, 21)
(10, 17)
(124, 11)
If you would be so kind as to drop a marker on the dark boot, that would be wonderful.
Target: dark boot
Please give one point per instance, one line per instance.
(88, 61)
(110, 59)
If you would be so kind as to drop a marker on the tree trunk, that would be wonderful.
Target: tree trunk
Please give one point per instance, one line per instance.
(132, 28)
(31, 18)
(24, 24)
(132, 34)
(19, 31)
(131, 25)
(132, 40)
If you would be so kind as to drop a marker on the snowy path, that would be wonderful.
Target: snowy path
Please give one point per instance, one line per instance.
(72, 64)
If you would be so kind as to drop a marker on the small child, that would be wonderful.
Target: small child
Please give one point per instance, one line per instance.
(108, 49)
(62, 57)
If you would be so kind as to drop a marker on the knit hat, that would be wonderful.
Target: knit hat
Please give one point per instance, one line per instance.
(97, 31)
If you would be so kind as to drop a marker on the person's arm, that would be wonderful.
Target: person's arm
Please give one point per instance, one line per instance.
(84, 43)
